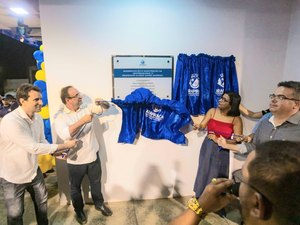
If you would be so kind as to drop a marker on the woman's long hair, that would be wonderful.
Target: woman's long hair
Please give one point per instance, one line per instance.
(235, 100)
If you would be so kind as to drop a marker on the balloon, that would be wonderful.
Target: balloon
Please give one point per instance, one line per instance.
(41, 85)
(44, 112)
(43, 66)
(44, 98)
(45, 162)
(53, 161)
(40, 75)
(41, 47)
(47, 130)
(38, 64)
(38, 55)
(47, 124)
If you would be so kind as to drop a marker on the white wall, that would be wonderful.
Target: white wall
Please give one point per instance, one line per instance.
(292, 68)
(79, 38)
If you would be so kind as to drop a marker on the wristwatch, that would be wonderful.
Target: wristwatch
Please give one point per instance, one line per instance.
(193, 204)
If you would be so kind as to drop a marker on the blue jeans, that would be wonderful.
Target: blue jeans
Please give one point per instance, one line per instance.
(14, 199)
(76, 175)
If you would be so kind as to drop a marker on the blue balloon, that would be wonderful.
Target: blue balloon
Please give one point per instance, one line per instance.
(47, 124)
(47, 130)
(44, 98)
(38, 55)
(38, 65)
(49, 138)
(41, 85)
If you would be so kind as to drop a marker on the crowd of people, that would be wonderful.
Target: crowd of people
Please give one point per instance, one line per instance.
(270, 177)
(267, 183)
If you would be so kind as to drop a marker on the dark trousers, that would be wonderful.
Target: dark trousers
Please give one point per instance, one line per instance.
(14, 199)
(76, 175)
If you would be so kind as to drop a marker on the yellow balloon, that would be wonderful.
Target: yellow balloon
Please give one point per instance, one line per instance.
(45, 162)
(41, 47)
(53, 161)
(40, 75)
(43, 66)
(44, 112)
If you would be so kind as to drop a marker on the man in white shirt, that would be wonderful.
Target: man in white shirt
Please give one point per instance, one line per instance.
(21, 140)
(76, 120)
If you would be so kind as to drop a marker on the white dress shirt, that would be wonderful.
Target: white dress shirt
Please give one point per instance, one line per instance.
(21, 140)
(90, 146)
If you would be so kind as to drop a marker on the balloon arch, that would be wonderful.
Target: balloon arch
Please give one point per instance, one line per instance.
(46, 162)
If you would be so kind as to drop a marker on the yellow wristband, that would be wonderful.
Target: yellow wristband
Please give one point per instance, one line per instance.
(193, 204)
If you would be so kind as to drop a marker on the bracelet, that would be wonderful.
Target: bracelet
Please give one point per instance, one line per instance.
(193, 204)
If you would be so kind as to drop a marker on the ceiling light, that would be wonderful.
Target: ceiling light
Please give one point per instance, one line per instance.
(19, 11)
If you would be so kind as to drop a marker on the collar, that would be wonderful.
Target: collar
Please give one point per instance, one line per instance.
(294, 119)
(24, 115)
(67, 110)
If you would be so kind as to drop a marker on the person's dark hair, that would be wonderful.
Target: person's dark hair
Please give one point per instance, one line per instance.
(23, 91)
(64, 93)
(275, 171)
(295, 85)
(234, 101)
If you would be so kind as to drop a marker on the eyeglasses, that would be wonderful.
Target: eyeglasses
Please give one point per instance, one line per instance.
(281, 97)
(238, 178)
(75, 96)
(224, 99)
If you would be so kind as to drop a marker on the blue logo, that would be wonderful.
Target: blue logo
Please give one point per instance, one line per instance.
(142, 63)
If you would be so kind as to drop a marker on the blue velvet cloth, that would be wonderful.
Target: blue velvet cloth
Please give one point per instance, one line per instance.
(200, 81)
(155, 118)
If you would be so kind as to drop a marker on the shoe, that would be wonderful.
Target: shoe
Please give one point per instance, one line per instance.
(81, 218)
(104, 209)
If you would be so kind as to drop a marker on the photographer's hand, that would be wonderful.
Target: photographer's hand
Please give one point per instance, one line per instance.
(215, 195)
(214, 198)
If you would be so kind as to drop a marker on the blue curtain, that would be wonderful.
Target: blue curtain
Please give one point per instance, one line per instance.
(200, 81)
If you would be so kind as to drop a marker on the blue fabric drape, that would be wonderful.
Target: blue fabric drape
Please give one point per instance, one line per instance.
(155, 118)
(200, 80)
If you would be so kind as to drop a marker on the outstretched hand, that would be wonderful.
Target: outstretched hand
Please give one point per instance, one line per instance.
(197, 126)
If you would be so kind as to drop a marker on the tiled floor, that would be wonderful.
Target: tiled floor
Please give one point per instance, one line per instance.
(148, 212)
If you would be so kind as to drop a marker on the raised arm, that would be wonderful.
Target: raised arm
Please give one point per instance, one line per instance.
(205, 120)
(250, 114)
(75, 127)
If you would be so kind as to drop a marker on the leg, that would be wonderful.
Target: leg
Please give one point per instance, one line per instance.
(76, 174)
(39, 195)
(14, 201)
(206, 171)
(94, 174)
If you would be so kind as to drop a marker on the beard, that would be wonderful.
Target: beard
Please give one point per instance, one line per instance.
(245, 212)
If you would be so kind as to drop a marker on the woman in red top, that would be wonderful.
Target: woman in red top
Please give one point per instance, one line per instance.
(221, 121)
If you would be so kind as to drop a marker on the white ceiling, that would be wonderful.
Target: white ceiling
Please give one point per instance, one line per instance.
(9, 20)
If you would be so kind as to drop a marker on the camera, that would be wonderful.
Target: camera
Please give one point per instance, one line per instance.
(234, 189)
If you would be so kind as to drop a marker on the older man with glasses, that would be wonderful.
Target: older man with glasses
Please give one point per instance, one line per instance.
(268, 188)
(283, 125)
(78, 120)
